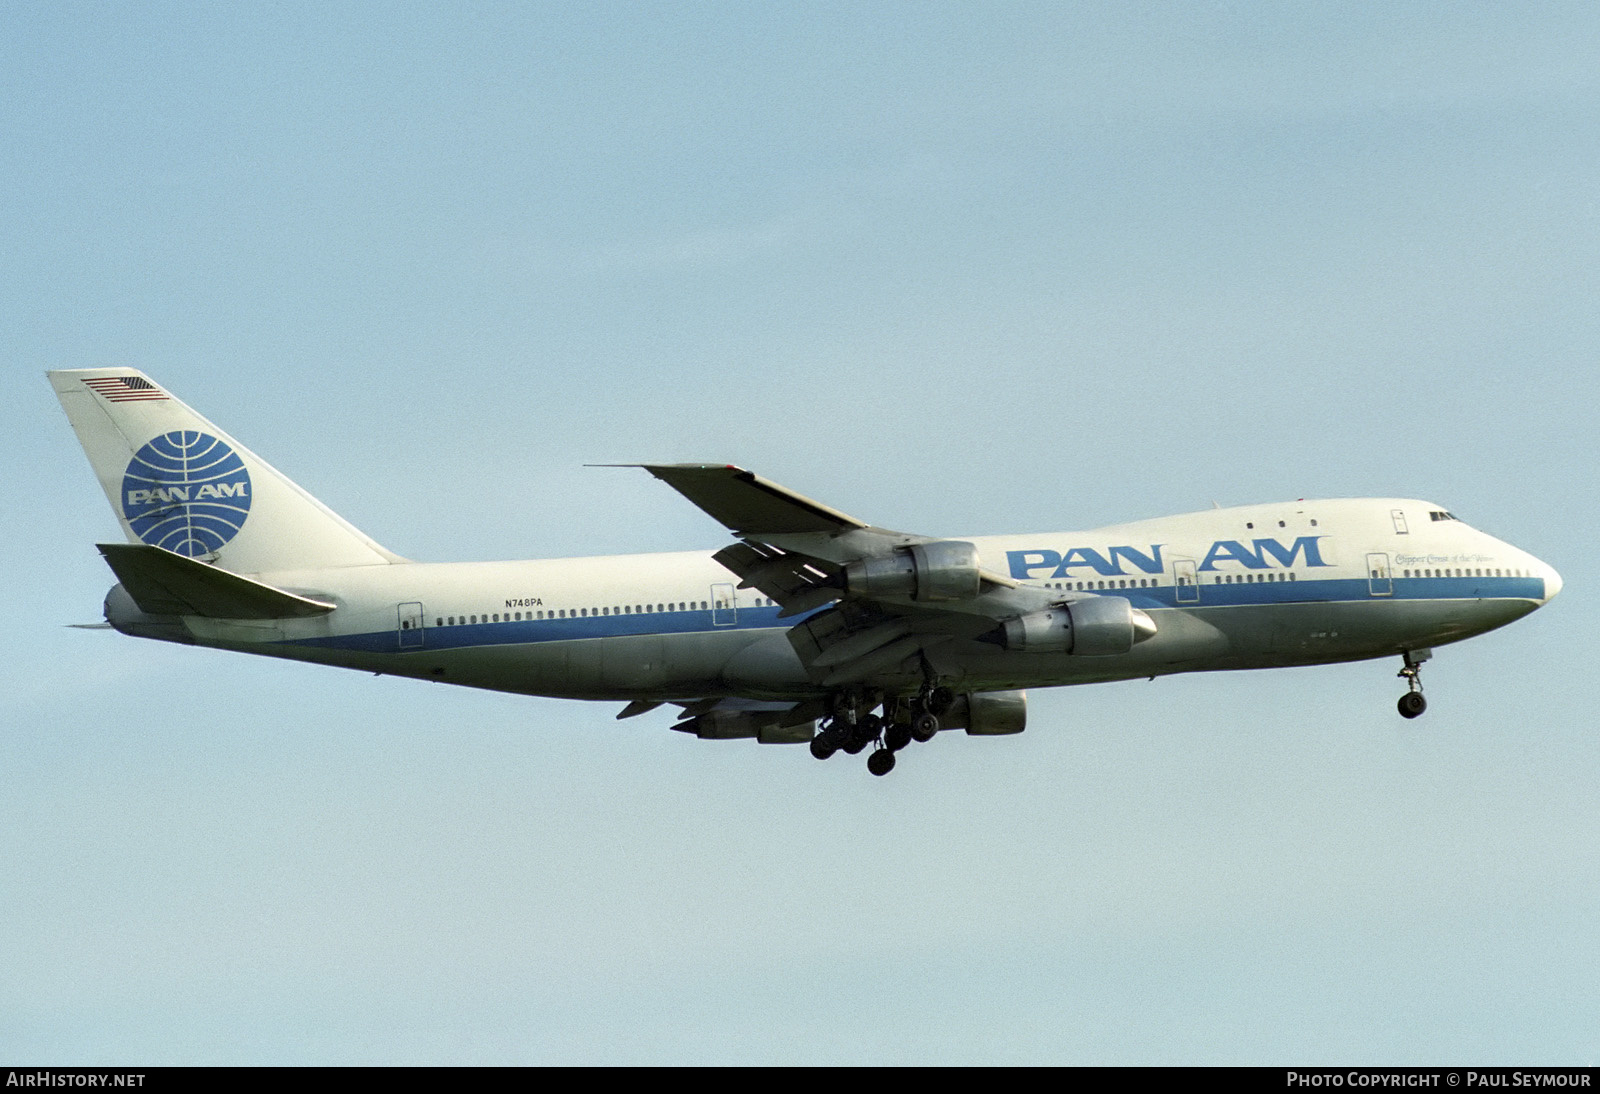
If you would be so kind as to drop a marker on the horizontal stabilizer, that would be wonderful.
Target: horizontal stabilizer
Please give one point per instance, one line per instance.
(164, 583)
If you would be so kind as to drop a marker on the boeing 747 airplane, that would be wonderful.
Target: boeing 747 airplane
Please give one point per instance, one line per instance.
(810, 618)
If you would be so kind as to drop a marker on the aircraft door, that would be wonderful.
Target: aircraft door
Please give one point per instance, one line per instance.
(410, 632)
(1379, 582)
(724, 612)
(1187, 582)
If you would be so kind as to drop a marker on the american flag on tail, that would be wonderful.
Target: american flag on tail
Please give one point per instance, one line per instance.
(126, 389)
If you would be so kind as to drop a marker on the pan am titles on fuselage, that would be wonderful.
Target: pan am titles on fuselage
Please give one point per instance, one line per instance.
(811, 626)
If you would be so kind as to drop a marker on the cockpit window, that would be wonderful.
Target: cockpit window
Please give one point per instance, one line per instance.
(1440, 514)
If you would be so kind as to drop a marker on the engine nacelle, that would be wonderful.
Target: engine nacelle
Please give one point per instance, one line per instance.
(988, 713)
(1095, 626)
(946, 570)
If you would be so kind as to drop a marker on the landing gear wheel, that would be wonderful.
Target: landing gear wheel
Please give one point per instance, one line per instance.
(1412, 703)
(863, 733)
(896, 736)
(924, 726)
(881, 762)
(823, 745)
(860, 734)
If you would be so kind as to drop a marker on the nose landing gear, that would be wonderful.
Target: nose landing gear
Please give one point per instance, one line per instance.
(1412, 702)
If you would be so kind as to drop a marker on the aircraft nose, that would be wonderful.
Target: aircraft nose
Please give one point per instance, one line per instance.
(1552, 581)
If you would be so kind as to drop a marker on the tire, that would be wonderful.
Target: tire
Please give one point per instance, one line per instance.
(1412, 704)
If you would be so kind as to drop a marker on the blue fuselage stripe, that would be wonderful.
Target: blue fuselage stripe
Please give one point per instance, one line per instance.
(1231, 594)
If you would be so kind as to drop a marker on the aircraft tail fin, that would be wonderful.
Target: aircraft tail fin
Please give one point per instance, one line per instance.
(177, 482)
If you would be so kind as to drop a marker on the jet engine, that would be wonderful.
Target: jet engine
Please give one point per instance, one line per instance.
(1095, 626)
(944, 570)
(988, 713)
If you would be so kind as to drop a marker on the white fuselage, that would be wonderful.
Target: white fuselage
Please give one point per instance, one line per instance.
(1250, 587)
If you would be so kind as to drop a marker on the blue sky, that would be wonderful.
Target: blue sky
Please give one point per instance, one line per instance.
(957, 269)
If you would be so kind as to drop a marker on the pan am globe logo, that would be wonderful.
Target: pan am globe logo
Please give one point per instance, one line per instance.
(186, 492)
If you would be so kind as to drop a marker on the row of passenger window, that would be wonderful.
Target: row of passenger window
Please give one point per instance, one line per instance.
(1081, 586)
(1150, 583)
(1467, 572)
(580, 613)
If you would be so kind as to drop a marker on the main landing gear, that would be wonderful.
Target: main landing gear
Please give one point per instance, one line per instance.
(853, 725)
(1412, 702)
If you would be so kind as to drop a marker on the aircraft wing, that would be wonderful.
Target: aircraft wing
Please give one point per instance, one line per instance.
(896, 598)
(748, 504)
